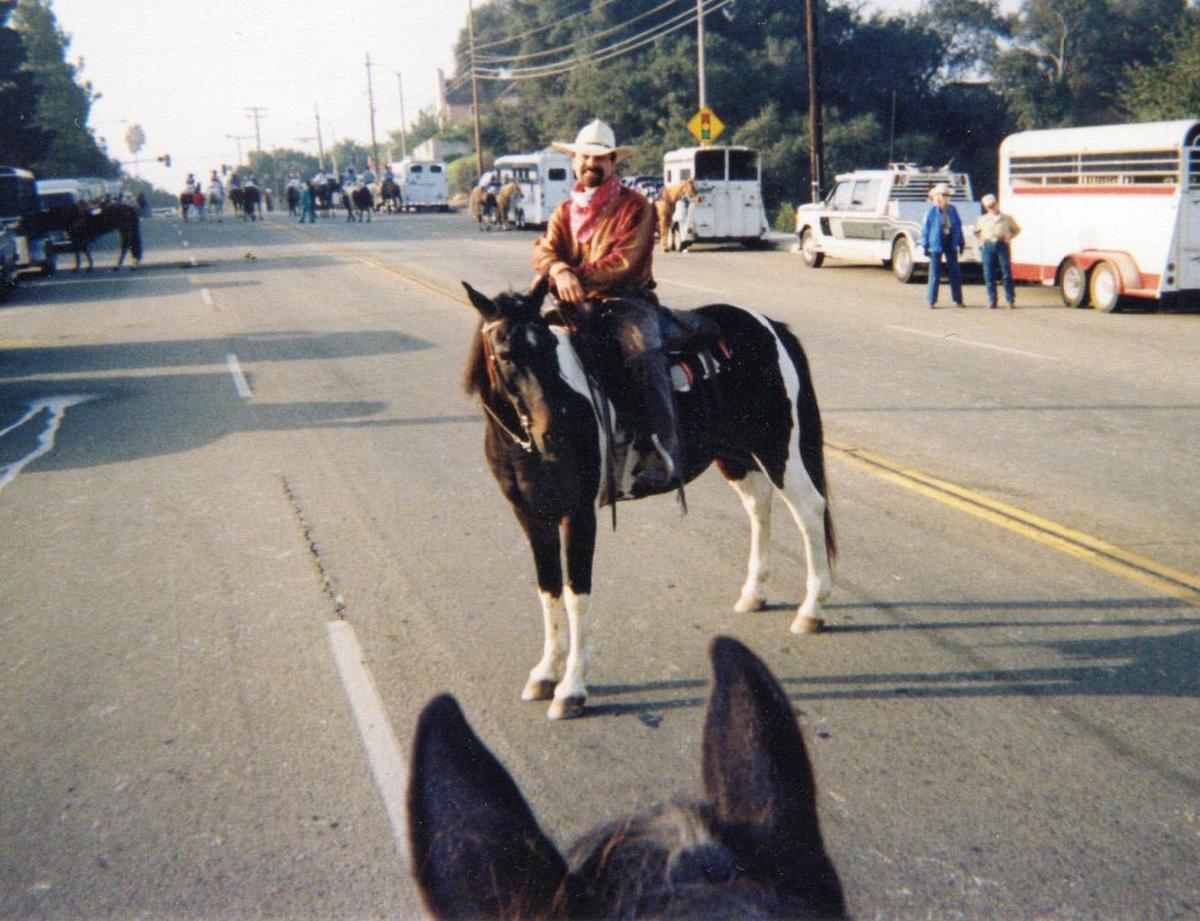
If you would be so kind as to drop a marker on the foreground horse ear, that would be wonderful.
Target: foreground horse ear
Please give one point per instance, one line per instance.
(758, 776)
(481, 302)
(477, 849)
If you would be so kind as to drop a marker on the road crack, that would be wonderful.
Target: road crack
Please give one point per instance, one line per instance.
(328, 581)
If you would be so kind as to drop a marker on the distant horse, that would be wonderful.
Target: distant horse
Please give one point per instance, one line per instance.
(185, 203)
(483, 207)
(508, 197)
(237, 199)
(251, 200)
(323, 197)
(216, 202)
(292, 194)
(752, 849)
(389, 196)
(83, 225)
(665, 207)
(560, 441)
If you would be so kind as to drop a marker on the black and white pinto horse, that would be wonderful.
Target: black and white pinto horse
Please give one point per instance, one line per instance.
(84, 224)
(389, 197)
(752, 849)
(359, 203)
(559, 443)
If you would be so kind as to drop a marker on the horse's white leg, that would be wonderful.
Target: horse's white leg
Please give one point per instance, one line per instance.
(544, 676)
(755, 491)
(571, 693)
(807, 506)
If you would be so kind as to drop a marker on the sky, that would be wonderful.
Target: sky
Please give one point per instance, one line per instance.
(189, 71)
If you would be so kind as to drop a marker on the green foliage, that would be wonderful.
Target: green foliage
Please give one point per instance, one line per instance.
(272, 168)
(785, 218)
(22, 140)
(1168, 87)
(63, 102)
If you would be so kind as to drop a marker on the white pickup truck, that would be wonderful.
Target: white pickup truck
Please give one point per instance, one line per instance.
(876, 216)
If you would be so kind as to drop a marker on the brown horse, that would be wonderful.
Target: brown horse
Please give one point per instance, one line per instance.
(83, 224)
(665, 206)
(509, 194)
(483, 207)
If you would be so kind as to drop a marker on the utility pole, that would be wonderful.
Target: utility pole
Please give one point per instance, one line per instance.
(320, 143)
(816, 142)
(239, 138)
(257, 113)
(700, 50)
(403, 129)
(371, 106)
(474, 88)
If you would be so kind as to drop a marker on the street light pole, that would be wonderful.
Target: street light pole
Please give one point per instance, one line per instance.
(403, 129)
(700, 50)
(320, 143)
(371, 104)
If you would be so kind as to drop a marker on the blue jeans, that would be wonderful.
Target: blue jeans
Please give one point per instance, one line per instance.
(997, 255)
(937, 269)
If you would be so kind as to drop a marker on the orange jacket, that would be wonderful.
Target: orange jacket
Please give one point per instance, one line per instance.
(616, 260)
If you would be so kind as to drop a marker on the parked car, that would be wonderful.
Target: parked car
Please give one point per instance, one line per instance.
(8, 264)
(650, 186)
(19, 216)
(876, 215)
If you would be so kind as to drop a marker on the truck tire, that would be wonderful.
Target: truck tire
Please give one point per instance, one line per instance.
(902, 261)
(808, 249)
(1073, 284)
(1105, 287)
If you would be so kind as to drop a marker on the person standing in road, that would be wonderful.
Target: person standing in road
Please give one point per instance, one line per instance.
(996, 231)
(308, 211)
(942, 238)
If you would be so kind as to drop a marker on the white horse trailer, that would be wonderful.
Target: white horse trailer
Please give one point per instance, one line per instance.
(545, 179)
(1107, 212)
(729, 183)
(423, 185)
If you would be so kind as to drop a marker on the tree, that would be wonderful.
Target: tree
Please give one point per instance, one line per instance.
(22, 141)
(1168, 87)
(63, 103)
(135, 139)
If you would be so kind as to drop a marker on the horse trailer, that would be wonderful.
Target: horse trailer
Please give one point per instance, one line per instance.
(730, 206)
(19, 216)
(423, 185)
(545, 179)
(1107, 213)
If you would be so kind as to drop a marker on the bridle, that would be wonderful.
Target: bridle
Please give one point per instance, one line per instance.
(498, 386)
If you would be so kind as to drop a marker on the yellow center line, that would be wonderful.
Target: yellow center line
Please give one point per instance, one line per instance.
(1143, 570)
(1154, 575)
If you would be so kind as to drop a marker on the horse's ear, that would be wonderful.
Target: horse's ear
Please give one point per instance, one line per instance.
(481, 302)
(477, 849)
(538, 290)
(759, 778)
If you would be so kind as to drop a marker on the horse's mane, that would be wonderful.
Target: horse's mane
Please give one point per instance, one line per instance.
(475, 374)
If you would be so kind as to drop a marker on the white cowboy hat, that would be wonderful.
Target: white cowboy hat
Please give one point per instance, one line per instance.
(942, 188)
(596, 139)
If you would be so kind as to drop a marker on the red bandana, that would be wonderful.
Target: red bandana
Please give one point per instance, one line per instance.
(588, 204)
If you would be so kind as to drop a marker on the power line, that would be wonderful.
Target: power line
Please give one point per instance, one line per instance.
(608, 53)
(501, 59)
(561, 19)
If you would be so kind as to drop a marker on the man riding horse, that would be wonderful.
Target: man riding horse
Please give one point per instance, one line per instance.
(597, 253)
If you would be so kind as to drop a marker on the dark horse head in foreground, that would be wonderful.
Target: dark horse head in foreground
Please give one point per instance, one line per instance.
(559, 444)
(83, 224)
(752, 849)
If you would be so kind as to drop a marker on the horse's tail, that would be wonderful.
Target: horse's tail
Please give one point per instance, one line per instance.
(812, 435)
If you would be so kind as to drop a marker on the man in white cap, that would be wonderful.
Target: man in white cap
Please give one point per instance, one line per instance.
(996, 231)
(597, 252)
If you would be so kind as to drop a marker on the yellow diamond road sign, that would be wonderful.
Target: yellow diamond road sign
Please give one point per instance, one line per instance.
(705, 126)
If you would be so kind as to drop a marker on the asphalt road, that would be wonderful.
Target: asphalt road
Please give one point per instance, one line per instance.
(248, 532)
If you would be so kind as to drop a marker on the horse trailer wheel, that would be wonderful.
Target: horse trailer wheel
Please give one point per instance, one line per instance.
(1072, 285)
(1105, 287)
(902, 261)
(808, 249)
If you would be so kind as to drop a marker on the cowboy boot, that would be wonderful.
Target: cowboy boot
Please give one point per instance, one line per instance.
(661, 463)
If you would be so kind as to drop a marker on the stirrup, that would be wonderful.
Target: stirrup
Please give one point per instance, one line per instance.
(658, 475)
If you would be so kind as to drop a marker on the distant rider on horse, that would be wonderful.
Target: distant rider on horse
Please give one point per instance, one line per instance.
(597, 252)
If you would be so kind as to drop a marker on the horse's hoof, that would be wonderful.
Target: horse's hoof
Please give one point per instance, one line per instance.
(538, 690)
(566, 708)
(747, 605)
(808, 624)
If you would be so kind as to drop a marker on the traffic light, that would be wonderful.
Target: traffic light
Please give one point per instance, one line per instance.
(224, 169)
(165, 160)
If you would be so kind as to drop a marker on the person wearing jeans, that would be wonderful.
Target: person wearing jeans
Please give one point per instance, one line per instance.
(996, 231)
(942, 239)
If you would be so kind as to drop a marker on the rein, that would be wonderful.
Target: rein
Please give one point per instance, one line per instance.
(497, 386)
